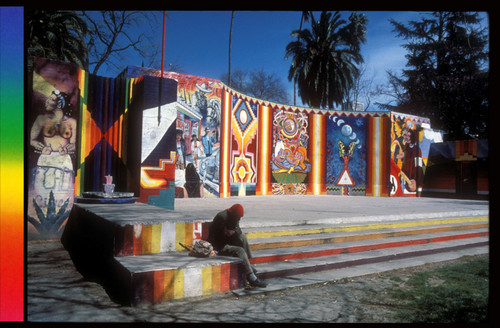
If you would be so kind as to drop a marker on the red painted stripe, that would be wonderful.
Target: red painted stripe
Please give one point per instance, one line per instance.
(363, 248)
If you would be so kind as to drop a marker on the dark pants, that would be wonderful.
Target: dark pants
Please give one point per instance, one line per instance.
(238, 247)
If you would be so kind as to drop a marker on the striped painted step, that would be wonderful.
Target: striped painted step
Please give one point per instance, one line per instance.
(364, 254)
(359, 244)
(329, 238)
(159, 277)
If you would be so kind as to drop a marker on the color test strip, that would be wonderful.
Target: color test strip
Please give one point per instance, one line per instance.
(12, 164)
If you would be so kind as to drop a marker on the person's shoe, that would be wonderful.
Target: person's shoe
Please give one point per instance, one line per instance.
(257, 283)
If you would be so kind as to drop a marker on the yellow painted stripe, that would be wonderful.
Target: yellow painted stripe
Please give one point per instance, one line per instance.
(206, 280)
(146, 239)
(155, 238)
(292, 232)
(180, 235)
(179, 284)
(169, 282)
(188, 233)
(357, 237)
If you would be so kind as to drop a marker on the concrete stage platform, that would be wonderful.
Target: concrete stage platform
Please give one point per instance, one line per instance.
(267, 211)
(133, 249)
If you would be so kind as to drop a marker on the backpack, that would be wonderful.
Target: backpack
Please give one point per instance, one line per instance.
(200, 248)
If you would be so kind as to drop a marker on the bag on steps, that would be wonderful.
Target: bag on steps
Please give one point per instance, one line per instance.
(200, 248)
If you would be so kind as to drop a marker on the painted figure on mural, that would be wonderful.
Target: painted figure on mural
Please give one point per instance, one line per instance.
(208, 141)
(289, 161)
(228, 240)
(411, 172)
(53, 136)
(57, 127)
(180, 162)
(196, 149)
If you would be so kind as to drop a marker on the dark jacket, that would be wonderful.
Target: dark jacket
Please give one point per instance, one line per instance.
(224, 221)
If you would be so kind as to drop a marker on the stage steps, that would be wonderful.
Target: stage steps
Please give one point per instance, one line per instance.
(133, 252)
(291, 252)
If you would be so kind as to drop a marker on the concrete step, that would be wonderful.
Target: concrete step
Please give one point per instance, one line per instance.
(357, 255)
(349, 272)
(158, 277)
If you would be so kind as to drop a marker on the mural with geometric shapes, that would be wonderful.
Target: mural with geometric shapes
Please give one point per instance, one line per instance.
(243, 155)
(102, 133)
(53, 124)
(159, 114)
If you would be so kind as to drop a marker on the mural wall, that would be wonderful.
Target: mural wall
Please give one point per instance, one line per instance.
(411, 138)
(346, 153)
(52, 154)
(189, 136)
(279, 149)
(195, 115)
(197, 135)
(102, 133)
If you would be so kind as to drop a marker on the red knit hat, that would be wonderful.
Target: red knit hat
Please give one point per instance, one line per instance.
(236, 210)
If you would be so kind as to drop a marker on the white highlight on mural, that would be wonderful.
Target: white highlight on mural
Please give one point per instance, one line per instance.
(151, 131)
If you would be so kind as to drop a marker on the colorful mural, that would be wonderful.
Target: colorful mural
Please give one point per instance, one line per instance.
(411, 137)
(103, 105)
(158, 153)
(290, 164)
(346, 154)
(198, 129)
(189, 136)
(243, 156)
(53, 123)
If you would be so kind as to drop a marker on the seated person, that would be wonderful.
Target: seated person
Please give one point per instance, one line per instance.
(227, 239)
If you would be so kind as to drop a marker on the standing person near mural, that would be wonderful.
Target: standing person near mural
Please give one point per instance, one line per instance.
(227, 238)
(193, 184)
(412, 159)
(196, 149)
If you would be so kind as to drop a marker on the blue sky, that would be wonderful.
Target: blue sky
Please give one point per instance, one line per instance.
(198, 41)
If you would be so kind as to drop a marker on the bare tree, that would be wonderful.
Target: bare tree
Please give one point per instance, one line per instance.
(114, 36)
(258, 84)
(361, 90)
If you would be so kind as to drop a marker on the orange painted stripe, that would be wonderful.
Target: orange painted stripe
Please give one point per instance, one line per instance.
(317, 146)
(216, 279)
(137, 239)
(158, 286)
(264, 145)
(225, 147)
(225, 270)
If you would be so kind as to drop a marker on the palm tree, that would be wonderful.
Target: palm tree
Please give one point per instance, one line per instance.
(325, 58)
(303, 18)
(57, 35)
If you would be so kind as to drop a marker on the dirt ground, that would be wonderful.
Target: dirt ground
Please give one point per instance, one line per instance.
(56, 292)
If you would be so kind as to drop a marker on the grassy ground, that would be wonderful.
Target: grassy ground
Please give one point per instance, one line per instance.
(455, 293)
